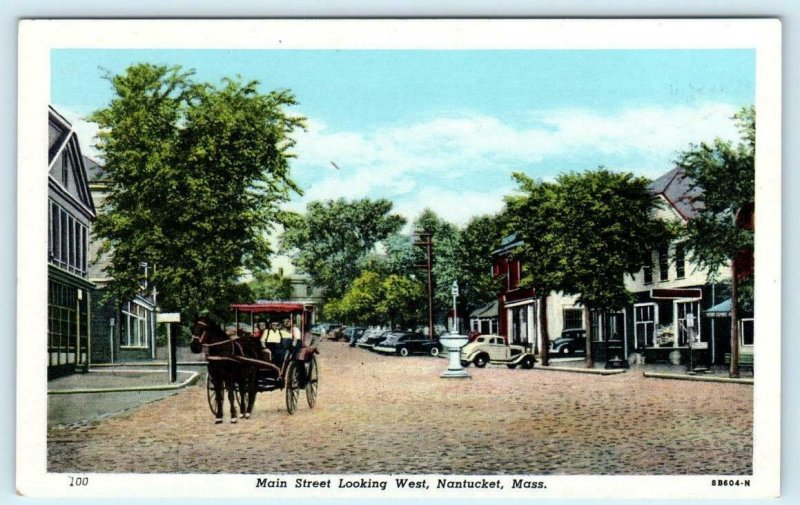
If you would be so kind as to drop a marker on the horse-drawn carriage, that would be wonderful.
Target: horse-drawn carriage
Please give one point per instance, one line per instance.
(243, 363)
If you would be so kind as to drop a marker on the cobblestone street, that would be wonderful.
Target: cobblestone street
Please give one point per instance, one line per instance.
(385, 414)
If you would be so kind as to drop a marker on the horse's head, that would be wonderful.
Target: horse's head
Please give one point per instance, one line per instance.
(201, 333)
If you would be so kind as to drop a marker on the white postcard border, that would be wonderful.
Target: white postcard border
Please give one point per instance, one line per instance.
(38, 38)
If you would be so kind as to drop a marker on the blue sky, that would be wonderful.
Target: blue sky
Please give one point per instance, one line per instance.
(445, 129)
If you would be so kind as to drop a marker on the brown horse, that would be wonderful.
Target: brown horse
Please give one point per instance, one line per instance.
(226, 370)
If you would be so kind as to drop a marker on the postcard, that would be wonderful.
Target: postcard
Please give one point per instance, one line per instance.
(416, 258)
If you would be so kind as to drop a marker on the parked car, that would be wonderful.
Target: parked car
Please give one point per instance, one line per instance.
(353, 333)
(322, 328)
(336, 332)
(493, 349)
(570, 342)
(407, 343)
(371, 337)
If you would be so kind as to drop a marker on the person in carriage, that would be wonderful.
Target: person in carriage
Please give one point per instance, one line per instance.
(273, 342)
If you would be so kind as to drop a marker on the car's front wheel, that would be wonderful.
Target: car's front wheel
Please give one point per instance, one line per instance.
(434, 351)
(403, 351)
(481, 360)
(527, 362)
(566, 350)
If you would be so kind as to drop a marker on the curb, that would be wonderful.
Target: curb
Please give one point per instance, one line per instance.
(593, 371)
(193, 377)
(698, 378)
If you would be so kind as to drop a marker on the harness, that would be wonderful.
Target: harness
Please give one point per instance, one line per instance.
(234, 357)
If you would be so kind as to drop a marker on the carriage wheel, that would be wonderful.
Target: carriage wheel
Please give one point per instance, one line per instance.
(292, 387)
(313, 382)
(212, 393)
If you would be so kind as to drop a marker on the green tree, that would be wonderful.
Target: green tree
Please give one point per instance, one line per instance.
(403, 301)
(332, 239)
(198, 173)
(723, 174)
(446, 266)
(531, 215)
(269, 286)
(362, 303)
(479, 238)
(603, 228)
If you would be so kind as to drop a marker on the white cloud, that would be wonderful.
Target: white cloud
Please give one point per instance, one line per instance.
(467, 152)
(454, 206)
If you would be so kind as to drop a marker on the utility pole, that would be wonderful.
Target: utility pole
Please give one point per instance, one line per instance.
(425, 239)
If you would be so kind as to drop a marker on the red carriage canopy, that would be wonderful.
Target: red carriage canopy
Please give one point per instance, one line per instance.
(269, 306)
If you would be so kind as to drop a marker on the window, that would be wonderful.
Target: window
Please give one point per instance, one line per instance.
(663, 263)
(55, 232)
(746, 331)
(648, 269)
(680, 260)
(684, 309)
(597, 326)
(519, 325)
(644, 322)
(573, 319)
(513, 274)
(66, 325)
(68, 240)
(135, 330)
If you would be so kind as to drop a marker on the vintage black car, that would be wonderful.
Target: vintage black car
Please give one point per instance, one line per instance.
(570, 342)
(353, 333)
(406, 343)
(371, 337)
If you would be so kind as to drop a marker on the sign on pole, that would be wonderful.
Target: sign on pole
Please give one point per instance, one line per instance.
(171, 318)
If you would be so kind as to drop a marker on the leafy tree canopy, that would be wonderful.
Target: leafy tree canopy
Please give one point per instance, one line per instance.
(333, 238)
(198, 173)
(724, 174)
(584, 233)
(269, 286)
(376, 299)
(463, 255)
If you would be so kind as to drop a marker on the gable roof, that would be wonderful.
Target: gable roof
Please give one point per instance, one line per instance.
(95, 172)
(676, 188)
(66, 164)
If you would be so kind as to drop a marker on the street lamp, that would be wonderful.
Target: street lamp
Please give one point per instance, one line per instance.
(454, 342)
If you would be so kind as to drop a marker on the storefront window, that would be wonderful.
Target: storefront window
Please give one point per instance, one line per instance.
(645, 324)
(66, 325)
(683, 310)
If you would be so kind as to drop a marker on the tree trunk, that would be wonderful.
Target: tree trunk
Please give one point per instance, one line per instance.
(587, 324)
(734, 369)
(544, 333)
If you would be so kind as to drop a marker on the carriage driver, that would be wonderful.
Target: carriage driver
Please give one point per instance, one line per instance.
(290, 336)
(272, 337)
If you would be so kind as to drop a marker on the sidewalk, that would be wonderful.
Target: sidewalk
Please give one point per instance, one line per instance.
(654, 370)
(118, 379)
(80, 399)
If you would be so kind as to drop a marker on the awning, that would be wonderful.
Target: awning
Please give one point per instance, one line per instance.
(722, 309)
(487, 311)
